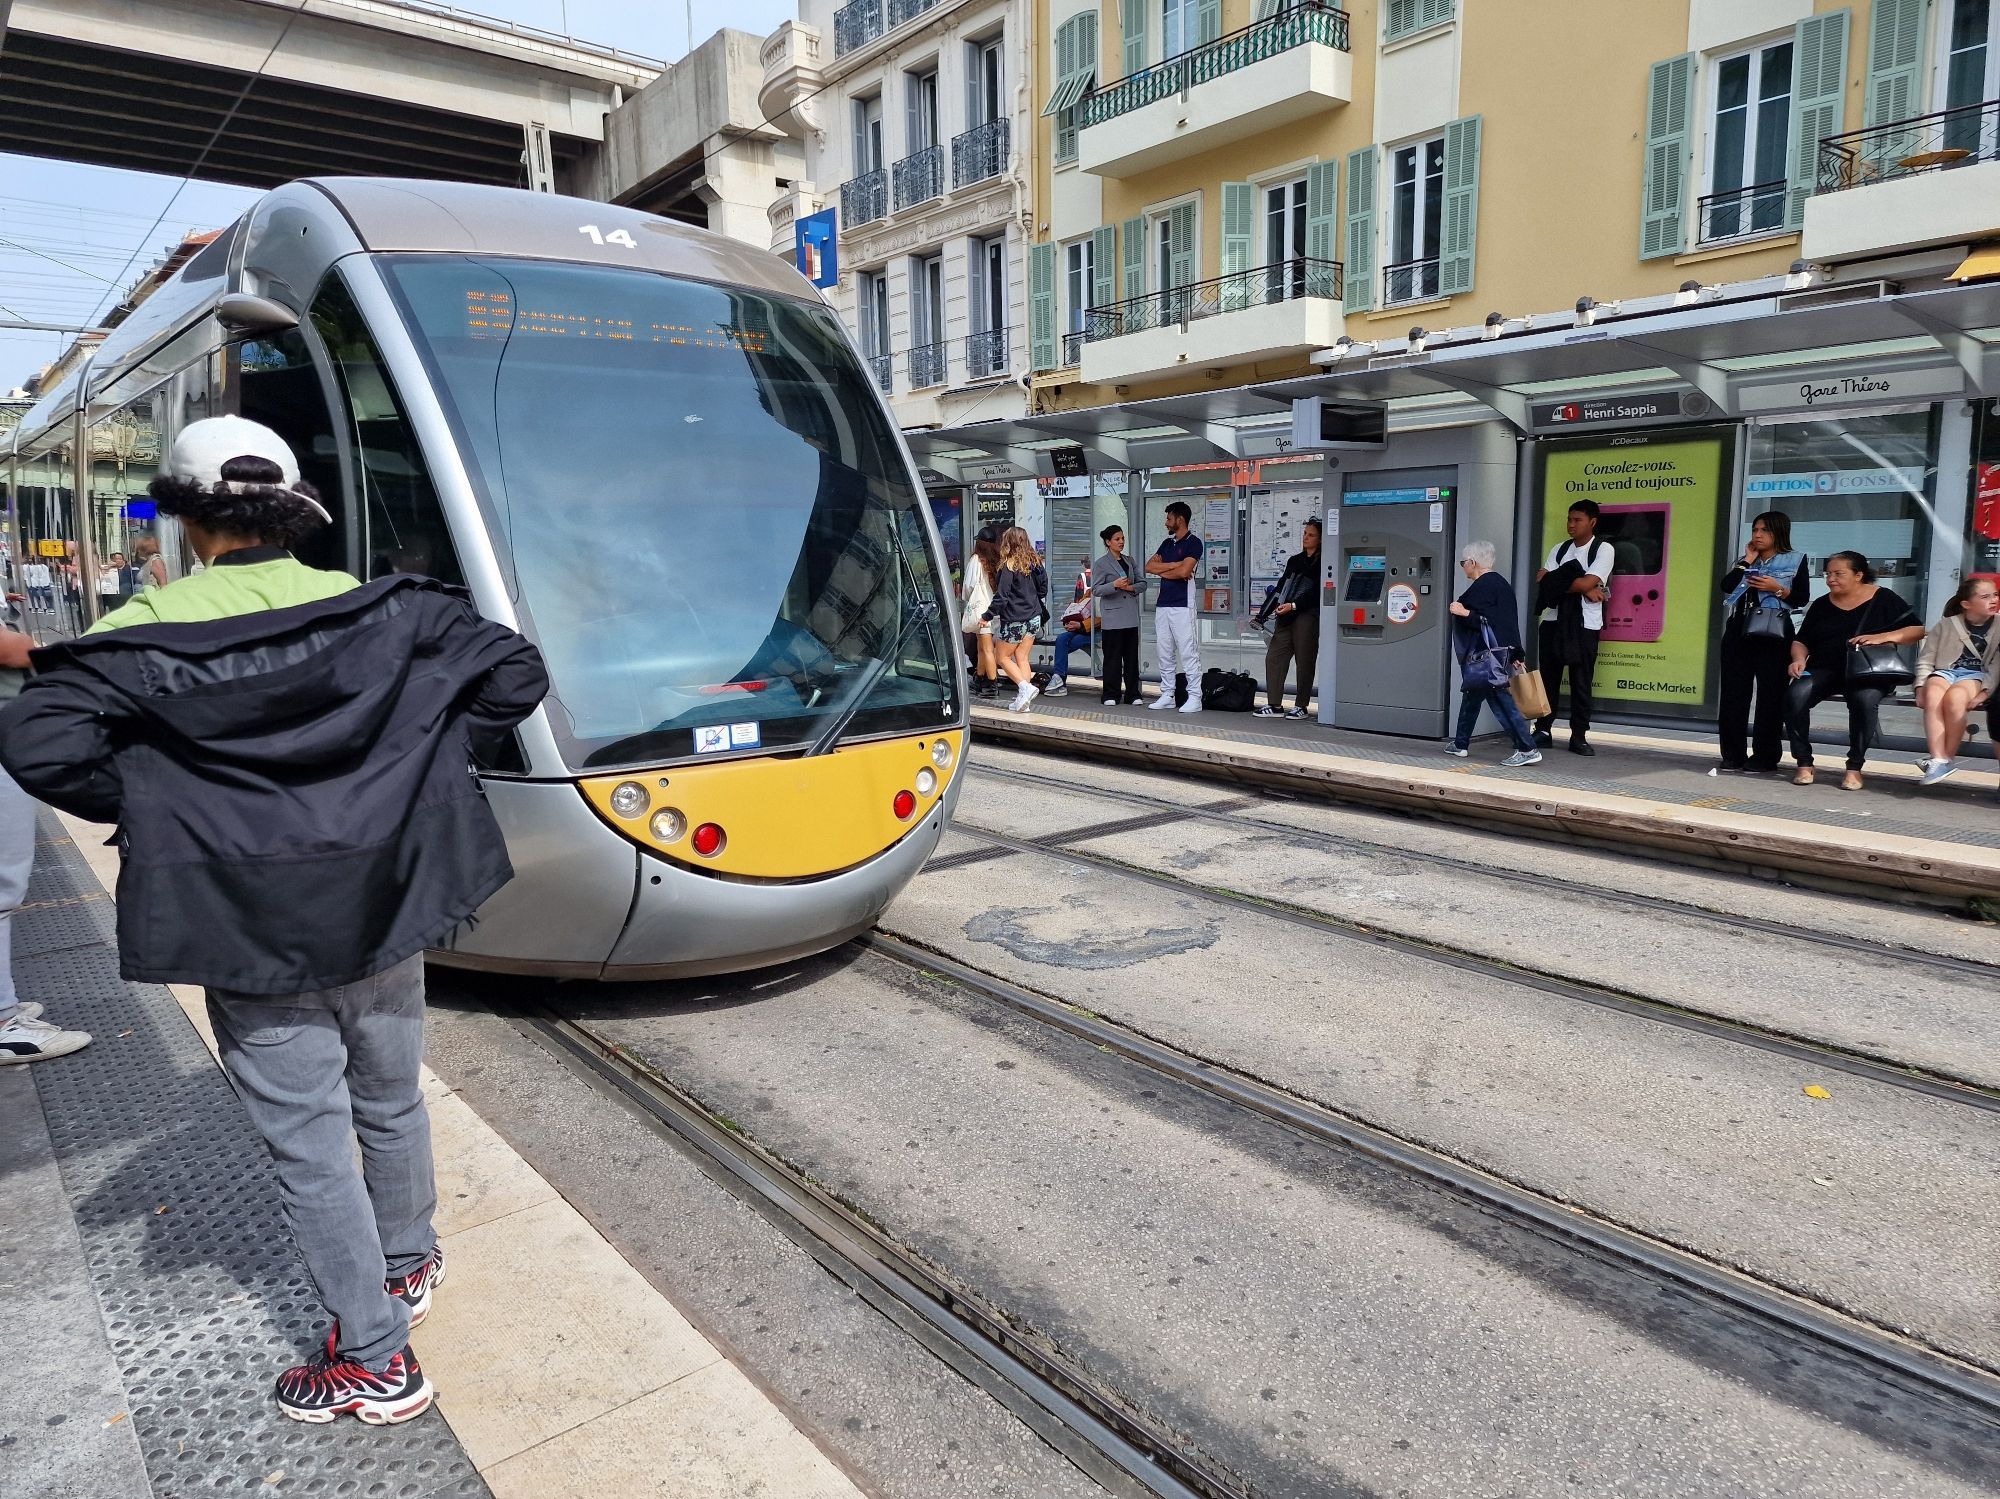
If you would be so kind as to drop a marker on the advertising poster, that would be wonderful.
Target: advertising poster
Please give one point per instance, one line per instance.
(1664, 501)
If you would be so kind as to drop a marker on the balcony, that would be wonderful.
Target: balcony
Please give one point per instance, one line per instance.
(1072, 350)
(864, 199)
(1289, 67)
(1271, 312)
(919, 177)
(791, 76)
(927, 363)
(856, 24)
(880, 366)
(1740, 213)
(978, 154)
(1410, 281)
(986, 354)
(908, 10)
(1931, 180)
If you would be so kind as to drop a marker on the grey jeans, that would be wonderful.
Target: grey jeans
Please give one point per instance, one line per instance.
(316, 1072)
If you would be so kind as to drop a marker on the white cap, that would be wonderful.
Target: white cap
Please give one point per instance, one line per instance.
(203, 447)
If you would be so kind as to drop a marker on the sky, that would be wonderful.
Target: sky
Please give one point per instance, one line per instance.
(73, 237)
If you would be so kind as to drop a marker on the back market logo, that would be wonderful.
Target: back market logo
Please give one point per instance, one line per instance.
(1625, 684)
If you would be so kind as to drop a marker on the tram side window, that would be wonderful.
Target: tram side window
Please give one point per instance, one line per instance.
(281, 389)
(404, 528)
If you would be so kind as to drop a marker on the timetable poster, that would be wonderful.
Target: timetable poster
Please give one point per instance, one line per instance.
(1662, 495)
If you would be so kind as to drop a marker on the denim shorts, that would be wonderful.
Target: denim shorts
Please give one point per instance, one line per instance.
(1015, 632)
(1958, 673)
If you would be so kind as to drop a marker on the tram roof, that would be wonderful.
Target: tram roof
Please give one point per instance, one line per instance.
(1720, 344)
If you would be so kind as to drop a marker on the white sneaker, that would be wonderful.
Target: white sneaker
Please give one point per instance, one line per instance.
(1523, 757)
(1029, 692)
(1164, 700)
(1192, 705)
(1936, 770)
(36, 1040)
(28, 1010)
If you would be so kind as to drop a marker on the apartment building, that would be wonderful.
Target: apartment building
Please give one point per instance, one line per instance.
(915, 116)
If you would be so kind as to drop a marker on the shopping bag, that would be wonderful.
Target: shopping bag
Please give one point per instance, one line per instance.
(1530, 696)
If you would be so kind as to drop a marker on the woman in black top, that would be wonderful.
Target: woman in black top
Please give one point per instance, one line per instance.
(1855, 611)
(1488, 602)
(1294, 620)
(1757, 596)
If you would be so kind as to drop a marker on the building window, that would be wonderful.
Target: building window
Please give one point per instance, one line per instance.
(872, 296)
(1402, 17)
(1181, 27)
(1416, 210)
(1749, 132)
(1076, 72)
(1079, 276)
(986, 345)
(1972, 54)
(920, 122)
(984, 75)
(927, 320)
(1285, 222)
(1163, 252)
(868, 155)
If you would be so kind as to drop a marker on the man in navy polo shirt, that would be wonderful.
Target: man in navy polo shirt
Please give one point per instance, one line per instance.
(1177, 560)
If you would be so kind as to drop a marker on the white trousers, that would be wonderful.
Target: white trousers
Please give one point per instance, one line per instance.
(1179, 650)
(17, 862)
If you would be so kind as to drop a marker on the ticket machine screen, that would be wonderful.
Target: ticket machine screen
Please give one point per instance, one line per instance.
(1366, 573)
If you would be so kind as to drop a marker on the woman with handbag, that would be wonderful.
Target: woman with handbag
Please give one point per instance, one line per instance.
(1294, 621)
(1486, 633)
(1758, 595)
(1847, 644)
(1958, 669)
(1016, 613)
(982, 574)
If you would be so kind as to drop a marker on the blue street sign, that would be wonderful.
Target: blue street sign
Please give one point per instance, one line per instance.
(818, 259)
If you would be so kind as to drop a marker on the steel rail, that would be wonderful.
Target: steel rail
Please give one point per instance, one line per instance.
(1226, 811)
(1937, 1373)
(1125, 1451)
(1820, 1054)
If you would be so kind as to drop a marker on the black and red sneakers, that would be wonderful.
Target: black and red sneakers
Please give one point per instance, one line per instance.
(328, 1385)
(414, 1290)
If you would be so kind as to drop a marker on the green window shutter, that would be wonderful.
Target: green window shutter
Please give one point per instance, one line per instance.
(1461, 206)
(1435, 12)
(1042, 307)
(1663, 198)
(1207, 21)
(1132, 21)
(1819, 88)
(1181, 258)
(1132, 241)
(1239, 243)
(1359, 270)
(1322, 211)
(1265, 10)
(1103, 266)
(1400, 18)
(1895, 53)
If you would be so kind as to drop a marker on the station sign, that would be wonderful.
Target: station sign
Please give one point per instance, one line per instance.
(816, 242)
(1629, 409)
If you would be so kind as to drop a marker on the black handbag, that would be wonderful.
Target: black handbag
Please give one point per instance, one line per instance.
(1766, 624)
(1878, 666)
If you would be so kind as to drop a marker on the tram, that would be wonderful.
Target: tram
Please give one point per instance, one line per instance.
(653, 451)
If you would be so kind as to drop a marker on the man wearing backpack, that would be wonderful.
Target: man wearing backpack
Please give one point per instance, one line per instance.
(1572, 587)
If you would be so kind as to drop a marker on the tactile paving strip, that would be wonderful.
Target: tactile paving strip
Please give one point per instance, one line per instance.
(204, 1298)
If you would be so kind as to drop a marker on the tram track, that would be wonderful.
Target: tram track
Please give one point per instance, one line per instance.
(1797, 1048)
(1811, 1322)
(1229, 813)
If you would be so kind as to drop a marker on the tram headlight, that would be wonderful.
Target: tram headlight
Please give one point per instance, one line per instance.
(669, 825)
(926, 781)
(941, 754)
(630, 799)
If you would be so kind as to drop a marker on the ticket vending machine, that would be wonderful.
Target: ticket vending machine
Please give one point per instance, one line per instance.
(1388, 600)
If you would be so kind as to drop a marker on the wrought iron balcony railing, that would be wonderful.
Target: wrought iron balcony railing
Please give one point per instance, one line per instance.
(856, 24)
(986, 354)
(908, 10)
(864, 199)
(880, 367)
(1072, 348)
(1310, 21)
(1741, 212)
(1410, 281)
(1287, 281)
(926, 365)
(1926, 143)
(919, 177)
(979, 153)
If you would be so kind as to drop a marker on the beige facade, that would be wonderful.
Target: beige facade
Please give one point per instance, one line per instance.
(1609, 149)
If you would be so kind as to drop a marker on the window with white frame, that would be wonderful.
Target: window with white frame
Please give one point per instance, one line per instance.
(1971, 68)
(1079, 277)
(872, 295)
(920, 116)
(1163, 251)
(927, 352)
(1285, 239)
(868, 135)
(986, 348)
(1416, 215)
(985, 75)
(1749, 131)
(1180, 27)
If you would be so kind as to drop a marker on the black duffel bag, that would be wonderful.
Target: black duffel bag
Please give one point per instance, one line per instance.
(1228, 691)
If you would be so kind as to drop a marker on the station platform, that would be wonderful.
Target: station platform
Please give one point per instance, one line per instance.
(150, 1293)
(1645, 790)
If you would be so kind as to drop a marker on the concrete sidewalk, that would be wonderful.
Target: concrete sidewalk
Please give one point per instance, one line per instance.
(1645, 789)
(158, 1324)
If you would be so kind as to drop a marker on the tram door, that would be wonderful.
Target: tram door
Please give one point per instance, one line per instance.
(1386, 601)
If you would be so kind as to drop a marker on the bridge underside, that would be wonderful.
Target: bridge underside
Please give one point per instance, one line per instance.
(77, 102)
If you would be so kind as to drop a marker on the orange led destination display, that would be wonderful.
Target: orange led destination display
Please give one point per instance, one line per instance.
(490, 314)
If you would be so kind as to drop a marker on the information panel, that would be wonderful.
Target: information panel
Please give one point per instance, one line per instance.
(1663, 497)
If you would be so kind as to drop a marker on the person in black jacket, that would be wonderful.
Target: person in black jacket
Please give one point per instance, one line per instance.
(303, 823)
(1488, 604)
(1294, 621)
(1758, 595)
(1017, 613)
(1855, 611)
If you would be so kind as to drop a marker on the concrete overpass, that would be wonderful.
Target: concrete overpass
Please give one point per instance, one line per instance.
(388, 87)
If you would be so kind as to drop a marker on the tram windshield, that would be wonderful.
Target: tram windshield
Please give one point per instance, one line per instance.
(708, 524)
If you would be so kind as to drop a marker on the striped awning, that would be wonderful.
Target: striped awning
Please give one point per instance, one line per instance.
(1070, 88)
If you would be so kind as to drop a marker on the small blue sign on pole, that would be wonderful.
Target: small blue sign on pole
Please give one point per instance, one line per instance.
(142, 510)
(818, 257)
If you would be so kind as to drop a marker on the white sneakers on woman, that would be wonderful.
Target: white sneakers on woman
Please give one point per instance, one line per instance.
(1027, 694)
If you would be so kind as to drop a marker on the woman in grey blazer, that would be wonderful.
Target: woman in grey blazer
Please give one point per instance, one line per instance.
(1116, 583)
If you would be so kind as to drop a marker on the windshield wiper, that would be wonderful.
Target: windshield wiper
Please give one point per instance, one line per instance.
(925, 611)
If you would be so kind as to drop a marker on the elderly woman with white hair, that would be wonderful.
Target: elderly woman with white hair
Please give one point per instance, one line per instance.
(1487, 616)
